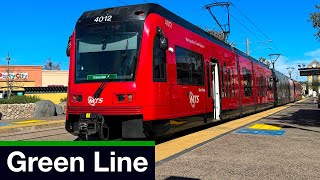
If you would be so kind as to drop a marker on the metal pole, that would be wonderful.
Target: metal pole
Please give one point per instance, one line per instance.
(273, 66)
(8, 73)
(290, 70)
(8, 81)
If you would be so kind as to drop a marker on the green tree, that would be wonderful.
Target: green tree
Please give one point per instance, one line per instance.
(262, 59)
(15, 80)
(49, 65)
(218, 34)
(315, 18)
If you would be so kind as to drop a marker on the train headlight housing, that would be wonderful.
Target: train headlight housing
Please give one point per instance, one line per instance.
(77, 98)
(121, 97)
(124, 98)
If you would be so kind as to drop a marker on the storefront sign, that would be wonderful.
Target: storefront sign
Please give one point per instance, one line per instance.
(4, 75)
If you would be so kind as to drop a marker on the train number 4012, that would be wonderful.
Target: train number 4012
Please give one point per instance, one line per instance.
(103, 18)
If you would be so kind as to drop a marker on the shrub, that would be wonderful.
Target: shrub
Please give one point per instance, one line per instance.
(63, 99)
(20, 100)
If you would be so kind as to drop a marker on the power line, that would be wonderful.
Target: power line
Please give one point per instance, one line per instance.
(264, 34)
(242, 24)
(250, 21)
(251, 30)
(122, 2)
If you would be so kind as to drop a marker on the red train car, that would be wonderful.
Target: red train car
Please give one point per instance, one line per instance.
(297, 91)
(142, 71)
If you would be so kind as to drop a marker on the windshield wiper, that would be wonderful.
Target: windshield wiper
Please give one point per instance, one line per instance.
(104, 84)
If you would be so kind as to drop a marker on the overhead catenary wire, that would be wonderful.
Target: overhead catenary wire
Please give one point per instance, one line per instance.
(263, 33)
(122, 2)
(242, 24)
(246, 17)
(250, 31)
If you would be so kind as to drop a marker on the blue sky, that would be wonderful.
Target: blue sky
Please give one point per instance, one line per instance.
(33, 31)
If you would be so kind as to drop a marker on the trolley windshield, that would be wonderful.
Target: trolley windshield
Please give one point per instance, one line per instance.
(108, 51)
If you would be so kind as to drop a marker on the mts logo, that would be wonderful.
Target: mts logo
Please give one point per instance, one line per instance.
(193, 99)
(93, 101)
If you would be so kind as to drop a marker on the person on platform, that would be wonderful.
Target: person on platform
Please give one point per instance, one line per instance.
(314, 95)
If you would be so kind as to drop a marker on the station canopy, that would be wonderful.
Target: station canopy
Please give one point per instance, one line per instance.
(309, 71)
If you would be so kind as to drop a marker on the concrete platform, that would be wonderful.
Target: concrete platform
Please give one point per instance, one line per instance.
(293, 155)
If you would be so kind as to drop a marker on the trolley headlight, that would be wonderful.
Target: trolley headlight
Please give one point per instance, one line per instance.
(124, 98)
(77, 98)
(130, 97)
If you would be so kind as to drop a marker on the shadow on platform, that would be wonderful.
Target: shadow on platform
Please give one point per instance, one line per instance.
(307, 115)
(180, 178)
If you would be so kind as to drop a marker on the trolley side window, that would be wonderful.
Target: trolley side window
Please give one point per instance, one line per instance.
(189, 67)
(262, 86)
(159, 62)
(270, 81)
(233, 81)
(247, 82)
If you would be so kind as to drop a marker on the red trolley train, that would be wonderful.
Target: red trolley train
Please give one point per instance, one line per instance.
(141, 71)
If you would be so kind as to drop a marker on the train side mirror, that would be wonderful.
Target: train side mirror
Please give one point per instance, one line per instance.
(68, 47)
(163, 40)
(164, 43)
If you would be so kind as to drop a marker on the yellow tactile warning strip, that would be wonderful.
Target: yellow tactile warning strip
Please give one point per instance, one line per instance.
(17, 126)
(28, 121)
(174, 122)
(264, 127)
(170, 148)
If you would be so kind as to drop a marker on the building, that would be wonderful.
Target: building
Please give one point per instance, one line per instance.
(54, 78)
(25, 77)
(19, 77)
(314, 80)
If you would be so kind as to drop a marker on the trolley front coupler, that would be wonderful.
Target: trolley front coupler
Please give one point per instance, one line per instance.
(89, 124)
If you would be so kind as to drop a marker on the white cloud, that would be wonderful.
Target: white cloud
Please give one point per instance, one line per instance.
(313, 54)
(283, 63)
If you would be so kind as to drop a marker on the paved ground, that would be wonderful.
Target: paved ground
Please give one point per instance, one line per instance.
(294, 155)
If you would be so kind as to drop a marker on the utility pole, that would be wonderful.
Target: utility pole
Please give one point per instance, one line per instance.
(247, 46)
(263, 43)
(8, 76)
